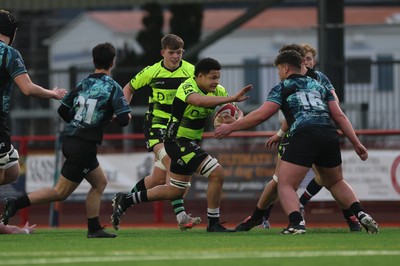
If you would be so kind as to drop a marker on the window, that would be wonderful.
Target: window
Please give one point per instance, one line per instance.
(359, 70)
(385, 72)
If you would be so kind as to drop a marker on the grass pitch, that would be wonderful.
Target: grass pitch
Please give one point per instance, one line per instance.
(160, 246)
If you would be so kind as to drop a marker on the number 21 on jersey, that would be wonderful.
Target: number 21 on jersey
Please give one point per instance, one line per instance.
(85, 109)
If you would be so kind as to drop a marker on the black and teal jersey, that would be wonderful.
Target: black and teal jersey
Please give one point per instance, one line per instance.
(320, 77)
(188, 121)
(11, 65)
(92, 104)
(164, 84)
(303, 101)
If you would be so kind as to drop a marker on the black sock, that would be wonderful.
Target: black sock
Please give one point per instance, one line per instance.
(257, 214)
(295, 218)
(212, 220)
(267, 211)
(140, 186)
(213, 216)
(93, 224)
(22, 202)
(347, 213)
(357, 209)
(311, 190)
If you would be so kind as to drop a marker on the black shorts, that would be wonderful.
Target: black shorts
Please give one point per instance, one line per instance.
(80, 158)
(186, 156)
(154, 130)
(153, 137)
(314, 145)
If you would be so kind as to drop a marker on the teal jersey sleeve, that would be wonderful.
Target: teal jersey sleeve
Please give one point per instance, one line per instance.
(15, 63)
(324, 80)
(118, 102)
(11, 66)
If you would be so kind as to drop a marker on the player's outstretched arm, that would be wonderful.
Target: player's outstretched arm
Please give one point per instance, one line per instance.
(210, 101)
(251, 120)
(29, 88)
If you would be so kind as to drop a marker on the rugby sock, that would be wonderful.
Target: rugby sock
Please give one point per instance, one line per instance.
(311, 190)
(136, 198)
(93, 224)
(22, 202)
(267, 211)
(357, 209)
(213, 216)
(140, 186)
(295, 218)
(179, 209)
(258, 214)
(347, 213)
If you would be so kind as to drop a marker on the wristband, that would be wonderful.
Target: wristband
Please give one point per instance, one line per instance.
(280, 133)
(26, 230)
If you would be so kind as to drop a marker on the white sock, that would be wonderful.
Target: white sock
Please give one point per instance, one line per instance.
(213, 213)
(180, 215)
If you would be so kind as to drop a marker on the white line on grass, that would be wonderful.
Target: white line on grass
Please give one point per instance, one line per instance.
(135, 256)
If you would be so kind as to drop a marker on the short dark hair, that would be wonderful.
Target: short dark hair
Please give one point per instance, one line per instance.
(8, 24)
(172, 42)
(290, 57)
(205, 65)
(294, 46)
(103, 55)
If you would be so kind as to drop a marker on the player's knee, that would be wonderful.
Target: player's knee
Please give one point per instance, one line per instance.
(182, 185)
(159, 164)
(9, 158)
(178, 188)
(61, 195)
(157, 178)
(217, 175)
(160, 155)
(211, 166)
(101, 184)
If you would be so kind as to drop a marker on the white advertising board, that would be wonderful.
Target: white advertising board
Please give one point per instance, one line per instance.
(122, 170)
(377, 179)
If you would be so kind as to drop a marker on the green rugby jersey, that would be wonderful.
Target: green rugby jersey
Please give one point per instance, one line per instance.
(188, 121)
(164, 84)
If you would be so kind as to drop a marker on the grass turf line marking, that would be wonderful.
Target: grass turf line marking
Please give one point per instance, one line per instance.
(197, 255)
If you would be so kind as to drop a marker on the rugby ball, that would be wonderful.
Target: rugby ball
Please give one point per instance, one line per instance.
(227, 108)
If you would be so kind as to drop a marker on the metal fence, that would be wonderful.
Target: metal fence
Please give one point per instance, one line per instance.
(372, 96)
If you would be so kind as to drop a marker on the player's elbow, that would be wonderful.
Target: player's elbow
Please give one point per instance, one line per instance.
(123, 120)
(64, 113)
(26, 90)
(338, 117)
